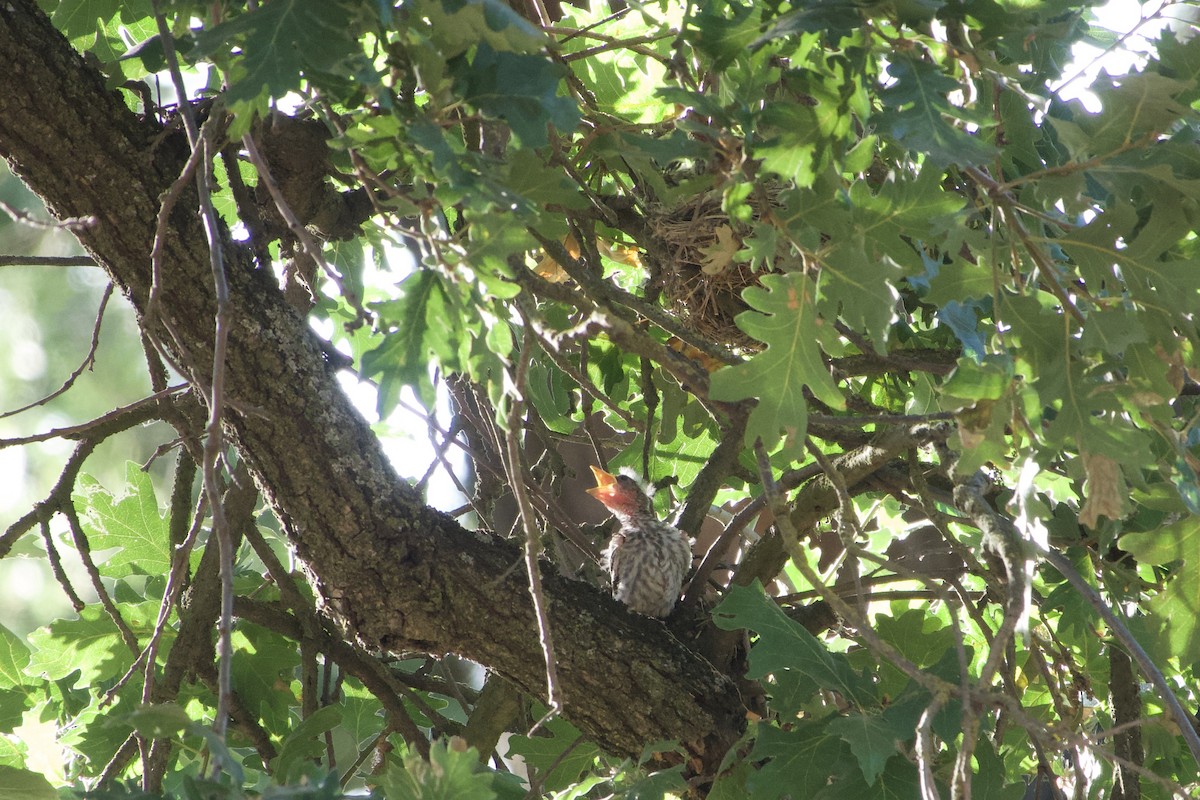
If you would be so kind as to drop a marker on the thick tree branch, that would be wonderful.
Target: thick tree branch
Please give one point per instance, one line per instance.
(819, 498)
(396, 574)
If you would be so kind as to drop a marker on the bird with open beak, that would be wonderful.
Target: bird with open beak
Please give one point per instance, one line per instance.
(646, 558)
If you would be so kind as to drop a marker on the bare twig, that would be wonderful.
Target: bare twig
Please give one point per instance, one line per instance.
(70, 223)
(140, 410)
(201, 149)
(533, 543)
(1149, 669)
(924, 747)
(85, 554)
(167, 201)
(46, 261)
(766, 557)
(737, 525)
(551, 346)
(297, 228)
(439, 454)
(87, 362)
(56, 567)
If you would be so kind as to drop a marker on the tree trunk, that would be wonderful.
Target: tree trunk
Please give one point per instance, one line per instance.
(394, 573)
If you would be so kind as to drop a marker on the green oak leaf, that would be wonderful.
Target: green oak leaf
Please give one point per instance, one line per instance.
(785, 319)
(1112, 330)
(14, 656)
(91, 644)
(448, 773)
(1116, 253)
(866, 242)
(800, 760)
(263, 663)
(915, 112)
(922, 638)
(1169, 621)
(556, 768)
(21, 784)
(991, 778)
(305, 744)
(281, 41)
(131, 523)
(785, 645)
(77, 18)
(1174, 542)
(13, 705)
(872, 740)
(1134, 105)
(899, 781)
(457, 25)
(424, 320)
(521, 89)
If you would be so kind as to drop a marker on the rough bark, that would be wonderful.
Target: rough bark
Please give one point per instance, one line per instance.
(1125, 693)
(394, 573)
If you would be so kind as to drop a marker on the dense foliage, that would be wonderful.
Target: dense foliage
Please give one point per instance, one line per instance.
(904, 337)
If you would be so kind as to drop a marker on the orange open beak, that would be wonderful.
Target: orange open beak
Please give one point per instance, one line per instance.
(605, 484)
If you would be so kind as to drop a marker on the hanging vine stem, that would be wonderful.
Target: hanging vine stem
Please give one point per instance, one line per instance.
(532, 541)
(214, 437)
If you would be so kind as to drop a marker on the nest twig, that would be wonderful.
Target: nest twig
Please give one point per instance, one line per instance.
(701, 278)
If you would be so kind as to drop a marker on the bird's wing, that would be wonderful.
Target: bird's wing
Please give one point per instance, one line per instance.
(611, 560)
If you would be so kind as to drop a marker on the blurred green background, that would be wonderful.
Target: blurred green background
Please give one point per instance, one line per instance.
(47, 316)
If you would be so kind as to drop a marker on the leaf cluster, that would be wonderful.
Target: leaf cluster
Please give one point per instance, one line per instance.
(817, 268)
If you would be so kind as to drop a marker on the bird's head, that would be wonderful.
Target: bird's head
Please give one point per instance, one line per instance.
(623, 494)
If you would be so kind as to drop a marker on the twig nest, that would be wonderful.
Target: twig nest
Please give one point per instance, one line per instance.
(702, 277)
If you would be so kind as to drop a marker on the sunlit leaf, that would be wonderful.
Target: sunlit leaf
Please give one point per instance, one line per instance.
(785, 319)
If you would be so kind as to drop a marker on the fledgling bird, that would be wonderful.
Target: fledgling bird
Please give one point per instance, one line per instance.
(647, 558)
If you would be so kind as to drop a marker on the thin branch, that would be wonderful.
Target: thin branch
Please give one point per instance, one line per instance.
(83, 547)
(608, 316)
(552, 348)
(56, 567)
(133, 414)
(712, 476)
(859, 420)
(533, 543)
(119, 761)
(46, 261)
(767, 556)
(1149, 669)
(214, 436)
(88, 361)
(546, 506)
(924, 748)
(297, 228)
(58, 496)
(69, 224)
(778, 505)
(439, 454)
(737, 525)
(363, 755)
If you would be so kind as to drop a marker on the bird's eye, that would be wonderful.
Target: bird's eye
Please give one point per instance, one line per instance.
(625, 480)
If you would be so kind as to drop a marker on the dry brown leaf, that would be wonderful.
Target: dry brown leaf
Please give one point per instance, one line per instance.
(1105, 490)
(719, 256)
(622, 254)
(551, 270)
